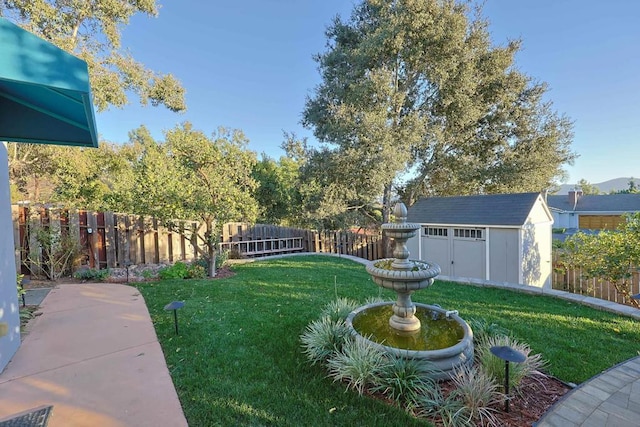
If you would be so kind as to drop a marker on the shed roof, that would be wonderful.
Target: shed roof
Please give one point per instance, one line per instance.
(597, 203)
(492, 209)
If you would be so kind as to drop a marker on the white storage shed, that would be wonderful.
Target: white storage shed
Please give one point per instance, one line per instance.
(494, 238)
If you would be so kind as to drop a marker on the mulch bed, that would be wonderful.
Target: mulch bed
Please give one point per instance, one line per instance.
(535, 397)
(528, 405)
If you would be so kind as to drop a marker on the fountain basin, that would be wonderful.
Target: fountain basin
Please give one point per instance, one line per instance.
(446, 342)
(418, 277)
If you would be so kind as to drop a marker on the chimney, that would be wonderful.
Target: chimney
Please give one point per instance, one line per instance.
(574, 195)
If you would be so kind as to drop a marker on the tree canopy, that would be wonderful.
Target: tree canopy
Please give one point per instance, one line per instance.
(91, 30)
(414, 99)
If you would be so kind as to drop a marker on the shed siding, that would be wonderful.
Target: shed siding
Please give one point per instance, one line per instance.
(536, 255)
(413, 245)
(503, 250)
(438, 250)
(538, 214)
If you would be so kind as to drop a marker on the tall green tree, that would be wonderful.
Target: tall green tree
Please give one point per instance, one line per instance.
(103, 179)
(212, 181)
(91, 30)
(278, 193)
(587, 187)
(415, 98)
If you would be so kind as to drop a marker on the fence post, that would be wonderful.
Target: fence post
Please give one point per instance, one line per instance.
(17, 247)
(35, 251)
(110, 239)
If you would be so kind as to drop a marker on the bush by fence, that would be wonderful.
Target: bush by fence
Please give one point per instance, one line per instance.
(572, 280)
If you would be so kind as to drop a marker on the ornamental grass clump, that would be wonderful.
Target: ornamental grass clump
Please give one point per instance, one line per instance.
(494, 367)
(482, 330)
(359, 364)
(477, 391)
(450, 411)
(339, 308)
(404, 380)
(324, 337)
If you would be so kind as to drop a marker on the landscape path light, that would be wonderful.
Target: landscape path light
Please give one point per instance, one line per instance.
(507, 354)
(175, 305)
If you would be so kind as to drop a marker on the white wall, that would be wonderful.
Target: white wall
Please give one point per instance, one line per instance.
(9, 309)
(564, 220)
(536, 247)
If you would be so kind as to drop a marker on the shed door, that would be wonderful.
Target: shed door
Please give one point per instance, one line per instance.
(469, 253)
(436, 248)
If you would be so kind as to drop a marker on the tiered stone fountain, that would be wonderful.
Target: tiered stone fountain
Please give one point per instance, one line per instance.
(404, 328)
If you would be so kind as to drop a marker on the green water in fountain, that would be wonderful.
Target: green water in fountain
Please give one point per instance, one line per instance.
(437, 334)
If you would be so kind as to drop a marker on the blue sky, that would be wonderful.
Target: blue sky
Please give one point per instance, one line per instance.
(248, 65)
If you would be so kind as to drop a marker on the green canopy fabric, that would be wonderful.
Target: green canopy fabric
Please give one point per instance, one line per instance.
(45, 96)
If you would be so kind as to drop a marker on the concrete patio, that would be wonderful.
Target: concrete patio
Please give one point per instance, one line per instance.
(93, 354)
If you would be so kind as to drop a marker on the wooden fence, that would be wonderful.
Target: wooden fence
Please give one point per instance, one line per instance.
(572, 280)
(107, 239)
(110, 240)
(260, 239)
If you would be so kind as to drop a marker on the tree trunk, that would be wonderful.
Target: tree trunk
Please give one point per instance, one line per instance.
(386, 218)
(211, 248)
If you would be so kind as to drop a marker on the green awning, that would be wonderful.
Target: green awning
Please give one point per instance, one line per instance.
(45, 96)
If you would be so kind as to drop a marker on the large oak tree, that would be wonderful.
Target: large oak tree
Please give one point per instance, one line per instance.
(415, 99)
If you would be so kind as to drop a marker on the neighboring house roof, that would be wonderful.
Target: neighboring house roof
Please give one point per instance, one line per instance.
(597, 203)
(493, 209)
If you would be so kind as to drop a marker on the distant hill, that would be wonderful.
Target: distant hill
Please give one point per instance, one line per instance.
(606, 187)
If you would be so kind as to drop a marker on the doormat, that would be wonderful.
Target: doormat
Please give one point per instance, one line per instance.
(37, 417)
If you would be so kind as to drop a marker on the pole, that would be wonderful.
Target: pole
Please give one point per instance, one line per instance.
(175, 319)
(506, 383)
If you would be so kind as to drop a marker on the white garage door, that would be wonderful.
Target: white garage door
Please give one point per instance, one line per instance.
(460, 252)
(436, 247)
(469, 253)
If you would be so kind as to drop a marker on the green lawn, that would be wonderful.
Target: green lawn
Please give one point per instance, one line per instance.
(238, 360)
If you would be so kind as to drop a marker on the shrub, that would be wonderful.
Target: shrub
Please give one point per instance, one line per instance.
(21, 290)
(57, 255)
(91, 274)
(179, 270)
(196, 271)
(323, 338)
(476, 391)
(222, 258)
(494, 367)
(359, 363)
(148, 274)
(339, 308)
(404, 380)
